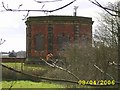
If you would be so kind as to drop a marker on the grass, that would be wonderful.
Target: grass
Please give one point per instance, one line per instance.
(38, 70)
(34, 70)
(31, 69)
(18, 66)
(0, 85)
(30, 84)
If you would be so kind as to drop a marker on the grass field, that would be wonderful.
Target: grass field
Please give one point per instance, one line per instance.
(30, 84)
(34, 70)
(31, 69)
(38, 70)
(20, 66)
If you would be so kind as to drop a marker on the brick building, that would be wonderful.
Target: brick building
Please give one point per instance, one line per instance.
(49, 34)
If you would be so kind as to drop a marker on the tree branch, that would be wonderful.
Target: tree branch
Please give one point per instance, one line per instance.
(62, 6)
(18, 10)
(95, 2)
(47, 1)
(30, 10)
(39, 77)
(2, 41)
(26, 15)
(106, 73)
(103, 71)
(20, 6)
(53, 65)
(116, 65)
(12, 84)
(45, 78)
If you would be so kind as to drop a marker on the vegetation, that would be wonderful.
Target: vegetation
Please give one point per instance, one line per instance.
(82, 61)
(107, 26)
(98, 62)
(30, 69)
(10, 77)
(30, 84)
(19, 81)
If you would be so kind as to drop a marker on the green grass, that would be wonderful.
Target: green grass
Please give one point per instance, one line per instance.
(38, 70)
(28, 67)
(0, 85)
(31, 69)
(30, 84)
(34, 70)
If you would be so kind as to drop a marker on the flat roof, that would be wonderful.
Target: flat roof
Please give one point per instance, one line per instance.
(58, 18)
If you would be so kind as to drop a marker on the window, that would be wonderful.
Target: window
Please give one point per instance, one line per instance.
(63, 39)
(39, 39)
(84, 40)
(50, 38)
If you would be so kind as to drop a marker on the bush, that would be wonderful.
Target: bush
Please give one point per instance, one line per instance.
(81, 61)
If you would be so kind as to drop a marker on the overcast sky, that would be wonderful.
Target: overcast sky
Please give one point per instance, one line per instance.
(13, 28)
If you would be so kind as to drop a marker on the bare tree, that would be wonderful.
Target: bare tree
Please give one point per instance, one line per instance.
(116, 13)
(107, 27)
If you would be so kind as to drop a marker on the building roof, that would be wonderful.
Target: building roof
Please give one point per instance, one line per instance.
(60, 18)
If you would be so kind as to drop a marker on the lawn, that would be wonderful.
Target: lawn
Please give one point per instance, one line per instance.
(18, 66)
(31, 69)
(38, 70)
(34, 70)
(30, 84)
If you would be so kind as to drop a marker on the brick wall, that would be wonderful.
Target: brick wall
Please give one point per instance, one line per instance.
(52, 32)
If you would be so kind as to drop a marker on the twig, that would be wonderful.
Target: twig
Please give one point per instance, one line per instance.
(105, 73)
(114, 63)
(13, 83)
(2, 41)
(20, 6)
(42, 6)
(30, 10)
(26, 15)
(47, 1)
(117, 65)
(4, 6)
(105, 8)
(61, 68)
(18, 10)
(62, 6)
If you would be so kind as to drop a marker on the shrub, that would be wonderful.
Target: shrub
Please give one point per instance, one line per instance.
(81, 61)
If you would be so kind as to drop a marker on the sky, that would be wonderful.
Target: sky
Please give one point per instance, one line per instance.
(12, 25)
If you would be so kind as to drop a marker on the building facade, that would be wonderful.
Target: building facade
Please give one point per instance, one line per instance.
(49, 34)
